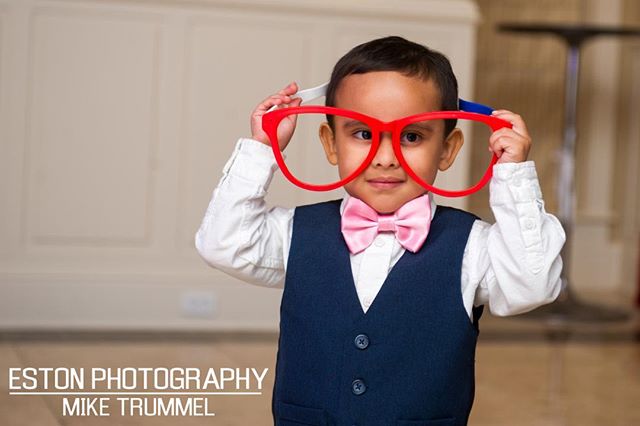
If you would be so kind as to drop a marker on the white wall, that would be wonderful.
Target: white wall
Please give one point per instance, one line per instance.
(116, 119)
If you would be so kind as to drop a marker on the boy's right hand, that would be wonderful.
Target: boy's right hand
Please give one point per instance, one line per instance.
(287, 125)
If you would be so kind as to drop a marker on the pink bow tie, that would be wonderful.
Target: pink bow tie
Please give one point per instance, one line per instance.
(410, 223)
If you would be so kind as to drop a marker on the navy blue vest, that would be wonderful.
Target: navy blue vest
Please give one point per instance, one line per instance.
(409, 361)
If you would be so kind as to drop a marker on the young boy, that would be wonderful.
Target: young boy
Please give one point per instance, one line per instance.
(380, 334)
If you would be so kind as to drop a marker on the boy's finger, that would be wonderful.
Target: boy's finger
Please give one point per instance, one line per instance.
(504, 114)
(283, 92)
(294, 103)
(500, 133)
(283, 98)
(516, 120)
(268, 100)
(501, 136)
(291, 88)
(273, 100)
(499, 143)
(279, 96)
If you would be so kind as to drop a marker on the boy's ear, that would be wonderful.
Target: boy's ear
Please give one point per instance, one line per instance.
(328, 143)
(452, 145)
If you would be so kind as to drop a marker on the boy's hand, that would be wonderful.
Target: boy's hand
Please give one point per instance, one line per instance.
(287, 125)
(510, 145)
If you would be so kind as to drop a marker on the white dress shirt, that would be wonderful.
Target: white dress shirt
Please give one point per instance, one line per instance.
(513, 265)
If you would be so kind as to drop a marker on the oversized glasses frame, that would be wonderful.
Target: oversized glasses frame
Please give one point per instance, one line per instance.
(468, 110)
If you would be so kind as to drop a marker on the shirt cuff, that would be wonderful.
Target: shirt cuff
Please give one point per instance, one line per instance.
(515, 193)
(514, 182)
(253, 161)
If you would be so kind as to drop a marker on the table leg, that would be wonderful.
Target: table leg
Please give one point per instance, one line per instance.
(567, 306)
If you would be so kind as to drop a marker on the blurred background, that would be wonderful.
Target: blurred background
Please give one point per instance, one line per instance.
(117, 117)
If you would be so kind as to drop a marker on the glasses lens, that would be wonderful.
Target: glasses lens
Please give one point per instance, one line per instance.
(461, 158)
(318, 141)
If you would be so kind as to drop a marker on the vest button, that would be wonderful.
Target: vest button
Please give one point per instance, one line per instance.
(361, 341)
(358, 387)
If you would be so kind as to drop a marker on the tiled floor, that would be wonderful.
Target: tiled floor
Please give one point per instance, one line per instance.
(527, 374)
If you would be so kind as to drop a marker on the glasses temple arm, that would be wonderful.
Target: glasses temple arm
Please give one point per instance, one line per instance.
(469, 106)
(319, 91)
(308, 94)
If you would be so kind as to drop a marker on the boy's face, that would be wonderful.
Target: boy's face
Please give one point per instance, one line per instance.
(387, 96)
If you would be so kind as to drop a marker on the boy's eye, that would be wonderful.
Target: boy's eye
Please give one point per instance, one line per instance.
(411, 137)
(364, 134)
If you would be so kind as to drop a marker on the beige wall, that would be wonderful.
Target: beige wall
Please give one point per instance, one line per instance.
(116, 121)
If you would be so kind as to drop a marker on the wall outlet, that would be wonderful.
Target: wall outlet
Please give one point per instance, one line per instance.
(198, 304)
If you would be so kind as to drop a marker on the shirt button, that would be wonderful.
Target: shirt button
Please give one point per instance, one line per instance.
(517, 181)
(379, 242)
(358, 387)
(362, 341)
(367, 302)
(529, 224)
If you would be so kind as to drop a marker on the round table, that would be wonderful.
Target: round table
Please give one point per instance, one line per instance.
(567, 306)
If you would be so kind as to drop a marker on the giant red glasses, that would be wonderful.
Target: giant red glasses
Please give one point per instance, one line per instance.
(328, 147)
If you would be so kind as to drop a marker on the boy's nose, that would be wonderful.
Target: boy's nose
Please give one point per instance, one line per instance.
(385, 156)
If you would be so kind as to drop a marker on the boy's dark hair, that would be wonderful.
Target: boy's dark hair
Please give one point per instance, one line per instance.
(394, 53)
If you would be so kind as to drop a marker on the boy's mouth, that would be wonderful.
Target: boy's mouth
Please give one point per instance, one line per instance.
(385, 182)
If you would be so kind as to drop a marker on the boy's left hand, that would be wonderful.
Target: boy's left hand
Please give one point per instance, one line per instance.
(510, 145)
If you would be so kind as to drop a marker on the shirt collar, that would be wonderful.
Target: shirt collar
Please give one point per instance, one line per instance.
(432, 203)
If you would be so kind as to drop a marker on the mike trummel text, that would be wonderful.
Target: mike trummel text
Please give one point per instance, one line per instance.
(136, 391)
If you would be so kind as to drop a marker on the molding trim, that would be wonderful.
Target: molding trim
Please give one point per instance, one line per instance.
(464, 11)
